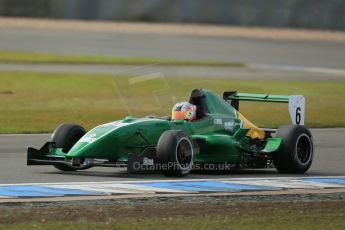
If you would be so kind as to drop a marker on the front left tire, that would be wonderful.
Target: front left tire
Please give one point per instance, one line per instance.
(65, 136)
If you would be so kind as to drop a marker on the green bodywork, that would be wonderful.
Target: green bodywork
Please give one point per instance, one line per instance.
(219, 135)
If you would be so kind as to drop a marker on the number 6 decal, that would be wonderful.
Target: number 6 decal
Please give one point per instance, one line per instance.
(296, 109)
(298, 115)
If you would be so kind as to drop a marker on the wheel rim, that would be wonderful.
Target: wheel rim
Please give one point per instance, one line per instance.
(184, 153)
(304, 149)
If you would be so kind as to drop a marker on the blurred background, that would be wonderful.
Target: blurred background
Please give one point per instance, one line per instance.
(313, 14)
(74, 60)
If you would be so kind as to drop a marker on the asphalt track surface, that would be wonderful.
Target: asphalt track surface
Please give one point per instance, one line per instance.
(321, 54)
(328, 161)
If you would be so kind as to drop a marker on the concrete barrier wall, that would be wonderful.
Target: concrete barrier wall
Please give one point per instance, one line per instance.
(315, 14)
(27, 8)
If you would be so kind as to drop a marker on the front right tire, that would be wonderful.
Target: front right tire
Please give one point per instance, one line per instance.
(175, 153)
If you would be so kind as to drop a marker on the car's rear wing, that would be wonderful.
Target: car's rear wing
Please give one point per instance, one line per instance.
(296, 102)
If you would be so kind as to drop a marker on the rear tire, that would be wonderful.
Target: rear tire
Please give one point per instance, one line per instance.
(175, 151)
(297, 150)
(65, 136)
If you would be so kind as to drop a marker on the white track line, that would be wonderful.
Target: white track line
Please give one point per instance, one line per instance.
(299, 69)
(117, 188)
(287, 184)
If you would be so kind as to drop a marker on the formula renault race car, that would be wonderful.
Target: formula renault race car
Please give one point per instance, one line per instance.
(219, 135)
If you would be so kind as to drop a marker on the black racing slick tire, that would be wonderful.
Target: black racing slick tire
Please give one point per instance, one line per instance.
(175, 153)
(65, 136)
(297, 149)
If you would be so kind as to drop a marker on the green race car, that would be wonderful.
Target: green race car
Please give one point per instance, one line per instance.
(220, 136)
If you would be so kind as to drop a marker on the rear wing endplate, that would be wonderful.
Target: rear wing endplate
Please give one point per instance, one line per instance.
(296, 102)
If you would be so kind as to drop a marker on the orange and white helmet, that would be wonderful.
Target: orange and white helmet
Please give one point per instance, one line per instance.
(184, 111)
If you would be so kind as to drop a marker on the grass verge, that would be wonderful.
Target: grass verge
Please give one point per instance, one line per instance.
(38, 102)
(50, 58)
(247, 215)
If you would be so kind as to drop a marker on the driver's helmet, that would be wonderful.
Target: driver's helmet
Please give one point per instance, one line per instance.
(184, 111)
